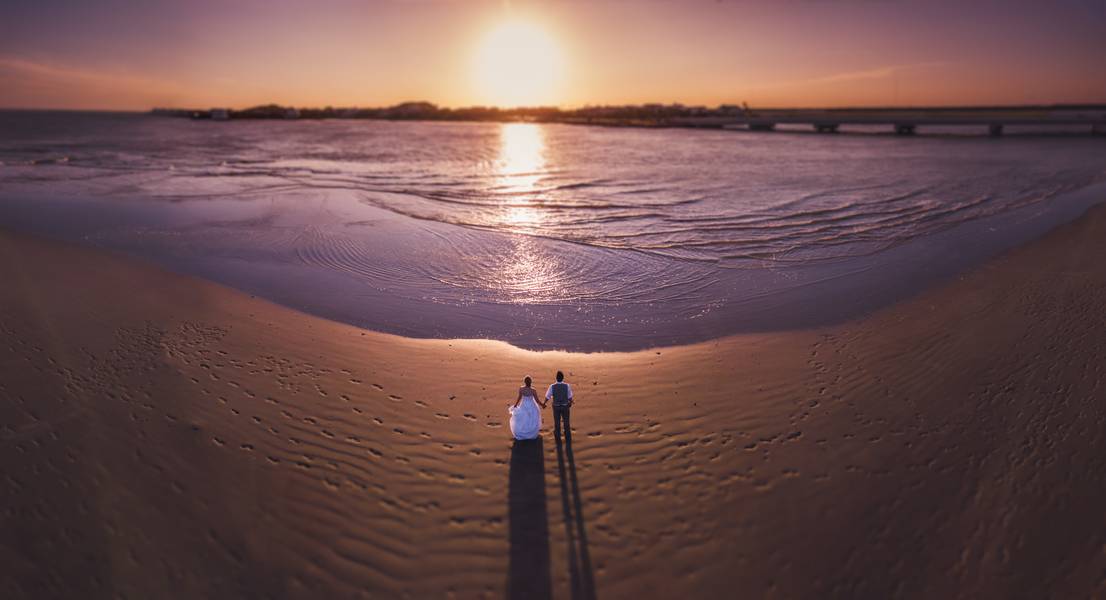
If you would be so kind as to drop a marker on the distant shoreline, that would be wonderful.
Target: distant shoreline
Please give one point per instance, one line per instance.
(992, 119)
(903, 121)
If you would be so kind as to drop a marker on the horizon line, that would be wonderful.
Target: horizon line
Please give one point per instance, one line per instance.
(1101, 104)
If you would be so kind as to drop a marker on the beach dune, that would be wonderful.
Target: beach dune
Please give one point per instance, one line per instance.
(168, 437)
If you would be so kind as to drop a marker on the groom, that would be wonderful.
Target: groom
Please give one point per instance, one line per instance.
(561, 394)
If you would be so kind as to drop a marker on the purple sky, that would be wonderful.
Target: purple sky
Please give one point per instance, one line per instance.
(134, 54)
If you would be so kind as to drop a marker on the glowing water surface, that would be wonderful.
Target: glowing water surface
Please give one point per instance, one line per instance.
(543, 235)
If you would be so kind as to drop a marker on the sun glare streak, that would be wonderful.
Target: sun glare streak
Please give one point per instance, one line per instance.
(521, 161)
(528, 273)
(517, 64)
(519, 168)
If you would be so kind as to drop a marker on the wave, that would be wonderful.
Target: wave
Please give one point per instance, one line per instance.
(695, 198)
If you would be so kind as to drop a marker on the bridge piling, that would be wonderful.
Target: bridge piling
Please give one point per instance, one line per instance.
(907, 121)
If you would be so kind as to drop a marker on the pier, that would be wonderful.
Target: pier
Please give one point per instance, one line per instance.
(905, 121)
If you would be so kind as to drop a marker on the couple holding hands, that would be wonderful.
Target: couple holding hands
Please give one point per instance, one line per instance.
(526, 414)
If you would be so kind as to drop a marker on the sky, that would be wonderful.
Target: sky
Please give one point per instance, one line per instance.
(137, 54)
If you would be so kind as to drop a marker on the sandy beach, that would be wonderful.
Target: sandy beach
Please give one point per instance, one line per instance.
(168, 437)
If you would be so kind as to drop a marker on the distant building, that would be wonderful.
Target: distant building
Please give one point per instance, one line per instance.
(291, 113)
(220, 114)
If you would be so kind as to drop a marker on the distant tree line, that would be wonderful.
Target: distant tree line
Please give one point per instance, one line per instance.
(678, 115)
(644, 114)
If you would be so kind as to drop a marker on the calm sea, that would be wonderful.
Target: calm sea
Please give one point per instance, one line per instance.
(548, 236)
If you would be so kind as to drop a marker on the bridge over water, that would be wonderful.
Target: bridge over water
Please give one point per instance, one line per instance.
(907, 121)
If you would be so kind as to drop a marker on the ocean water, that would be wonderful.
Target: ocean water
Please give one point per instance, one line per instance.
(547, 236)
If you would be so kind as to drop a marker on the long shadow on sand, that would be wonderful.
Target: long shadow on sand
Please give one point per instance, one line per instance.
(529, 526)
(579, 560)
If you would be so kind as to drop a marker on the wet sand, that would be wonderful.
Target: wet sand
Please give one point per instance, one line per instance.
(168, 437)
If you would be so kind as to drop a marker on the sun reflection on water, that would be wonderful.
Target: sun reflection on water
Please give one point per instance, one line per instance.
(521, 155)
(520, 167)
(528, 273)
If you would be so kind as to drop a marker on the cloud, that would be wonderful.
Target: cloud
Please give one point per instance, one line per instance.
(867, 74)
(861, 87)
(36, 84)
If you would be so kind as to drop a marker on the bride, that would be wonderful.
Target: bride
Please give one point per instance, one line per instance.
(525, 415)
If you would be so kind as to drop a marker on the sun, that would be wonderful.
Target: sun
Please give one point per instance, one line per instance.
(517, 63)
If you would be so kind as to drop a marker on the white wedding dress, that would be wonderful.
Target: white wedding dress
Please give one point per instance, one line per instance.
(525, 419)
